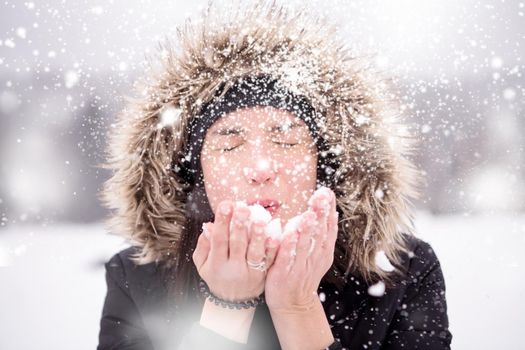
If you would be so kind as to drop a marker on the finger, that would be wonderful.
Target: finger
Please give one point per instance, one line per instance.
(200, 255)
(331, 238)
(326, 231)
(319, 251)
(272, 245)
(256, 248)
(320, 238)
(320, 201)
(307, 227)
(332, 219)
(220, 237)
(321, 230)
(239, 233)
(323, 204)
(333, 225)
(287, 251)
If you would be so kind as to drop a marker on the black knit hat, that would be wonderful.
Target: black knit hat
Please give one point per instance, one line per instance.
(245, 92)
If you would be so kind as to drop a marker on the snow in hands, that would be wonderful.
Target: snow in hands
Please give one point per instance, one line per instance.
(262, 212)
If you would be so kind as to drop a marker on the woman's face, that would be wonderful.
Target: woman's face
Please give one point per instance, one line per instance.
(260, 155)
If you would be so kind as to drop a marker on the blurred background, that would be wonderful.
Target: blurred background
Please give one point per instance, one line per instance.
(66, 67)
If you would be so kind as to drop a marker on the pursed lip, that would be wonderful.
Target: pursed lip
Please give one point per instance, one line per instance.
(268, 203)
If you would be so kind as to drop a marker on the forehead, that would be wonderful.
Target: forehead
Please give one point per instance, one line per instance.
(259, 117)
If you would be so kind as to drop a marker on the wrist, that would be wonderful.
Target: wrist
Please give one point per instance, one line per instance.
(233, 324)
(299, 308)
(242, 304)
(302, 326)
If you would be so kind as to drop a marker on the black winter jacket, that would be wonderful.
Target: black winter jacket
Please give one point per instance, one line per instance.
(137, 316)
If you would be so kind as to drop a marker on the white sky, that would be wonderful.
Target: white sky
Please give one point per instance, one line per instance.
(419, 38)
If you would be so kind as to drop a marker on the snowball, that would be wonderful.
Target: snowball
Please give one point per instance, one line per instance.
(291, 226)
(258, 213)
(273, 229)
(377, 290)
(383, 262)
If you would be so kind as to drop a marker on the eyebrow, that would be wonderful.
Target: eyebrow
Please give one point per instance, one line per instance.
(228, 131)
(236, 131)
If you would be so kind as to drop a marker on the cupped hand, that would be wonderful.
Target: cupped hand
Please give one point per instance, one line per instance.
(223, 251)
(304, 257)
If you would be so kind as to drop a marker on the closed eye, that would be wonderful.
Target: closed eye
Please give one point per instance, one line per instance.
(229, 149)
(283, 144)
(286, 145)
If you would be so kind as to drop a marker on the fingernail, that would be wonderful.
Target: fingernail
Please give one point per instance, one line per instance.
(225, 209)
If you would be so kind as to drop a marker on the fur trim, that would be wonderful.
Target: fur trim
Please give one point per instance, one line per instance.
(359, 118)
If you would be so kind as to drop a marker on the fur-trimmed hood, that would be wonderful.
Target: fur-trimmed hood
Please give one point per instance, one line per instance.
(359, 119)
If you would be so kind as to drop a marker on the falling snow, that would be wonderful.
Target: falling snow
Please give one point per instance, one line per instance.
(377, 289)
(68, 69)
(382, 261)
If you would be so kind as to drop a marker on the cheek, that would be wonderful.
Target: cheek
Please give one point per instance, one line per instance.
(300, 171)
(299, 180)
(220, 178)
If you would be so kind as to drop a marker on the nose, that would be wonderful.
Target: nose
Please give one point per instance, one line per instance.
(262, 171)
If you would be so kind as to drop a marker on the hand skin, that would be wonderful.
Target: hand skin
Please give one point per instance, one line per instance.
(291, 283)
(221, 263)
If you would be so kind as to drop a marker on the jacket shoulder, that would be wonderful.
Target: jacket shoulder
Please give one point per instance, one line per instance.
(423, 263)
(138, 280)
(124, 260)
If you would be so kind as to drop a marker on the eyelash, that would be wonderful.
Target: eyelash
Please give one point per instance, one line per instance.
(287, 145)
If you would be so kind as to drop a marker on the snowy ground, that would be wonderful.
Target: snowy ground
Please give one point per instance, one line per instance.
(53, 281)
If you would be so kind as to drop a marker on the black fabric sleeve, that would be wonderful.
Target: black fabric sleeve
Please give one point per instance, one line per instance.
(336, 345)
(121, 327)
(421, 320)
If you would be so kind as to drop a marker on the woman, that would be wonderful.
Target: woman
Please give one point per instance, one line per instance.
(267, 108)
